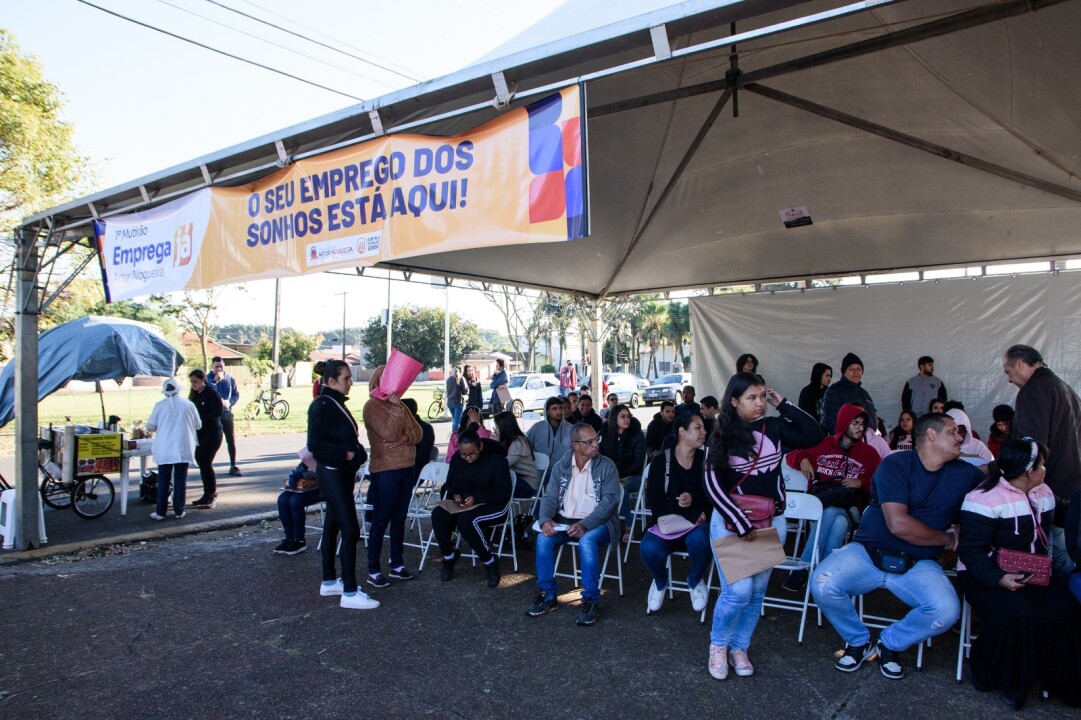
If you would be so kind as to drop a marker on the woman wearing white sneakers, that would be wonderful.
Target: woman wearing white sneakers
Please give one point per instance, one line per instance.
(333, 441)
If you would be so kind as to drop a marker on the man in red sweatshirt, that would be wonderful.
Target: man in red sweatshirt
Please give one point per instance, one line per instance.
(838, 471)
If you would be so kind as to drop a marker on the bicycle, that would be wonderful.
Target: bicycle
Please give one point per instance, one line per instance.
(89, 496)
(265, 402)
(438, 406)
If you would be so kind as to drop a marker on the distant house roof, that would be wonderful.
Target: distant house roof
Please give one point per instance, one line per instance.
(213, 348)
(351, 358)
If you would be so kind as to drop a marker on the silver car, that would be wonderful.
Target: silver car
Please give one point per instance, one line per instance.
(667, 387)
(528, 391)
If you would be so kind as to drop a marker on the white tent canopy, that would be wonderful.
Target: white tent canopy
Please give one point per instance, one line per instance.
(917, 133)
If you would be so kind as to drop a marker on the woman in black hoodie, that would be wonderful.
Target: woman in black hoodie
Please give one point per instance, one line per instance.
(810, 397)
(208, 437)
(478, 489)
(623, 443)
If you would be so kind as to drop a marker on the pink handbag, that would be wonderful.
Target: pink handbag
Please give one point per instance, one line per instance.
(1036, 565)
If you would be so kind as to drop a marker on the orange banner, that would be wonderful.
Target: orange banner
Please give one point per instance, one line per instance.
(517, 179)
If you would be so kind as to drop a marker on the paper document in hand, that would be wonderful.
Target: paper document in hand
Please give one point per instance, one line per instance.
(741, 559)
(556, 527)
(454, 508)
(504, 395)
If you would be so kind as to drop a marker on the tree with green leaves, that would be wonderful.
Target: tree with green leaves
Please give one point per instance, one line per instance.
(39, 164)
(293, 347)
(678, 326)
(653, 323)
(418, 332)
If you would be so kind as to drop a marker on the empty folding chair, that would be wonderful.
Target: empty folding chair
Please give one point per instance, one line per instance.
(639, 515)
(801, 508)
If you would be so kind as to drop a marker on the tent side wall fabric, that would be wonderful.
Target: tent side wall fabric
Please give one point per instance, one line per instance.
(964, 324)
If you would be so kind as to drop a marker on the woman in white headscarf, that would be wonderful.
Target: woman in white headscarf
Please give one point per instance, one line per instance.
(971, 448)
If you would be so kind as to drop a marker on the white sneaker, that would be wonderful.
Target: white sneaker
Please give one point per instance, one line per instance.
(718, 661)
(655, 599)
(336, 589)
(359, 601)
(155, 516)
(699, 596)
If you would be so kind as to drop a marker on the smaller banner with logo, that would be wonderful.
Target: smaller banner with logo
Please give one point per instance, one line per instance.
(520, 178)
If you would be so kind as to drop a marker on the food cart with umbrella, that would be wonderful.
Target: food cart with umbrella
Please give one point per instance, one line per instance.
(92, 349)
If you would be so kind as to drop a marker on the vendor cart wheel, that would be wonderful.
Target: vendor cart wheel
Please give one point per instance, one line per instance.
(279, 410)
(55, 493)
(92, 496)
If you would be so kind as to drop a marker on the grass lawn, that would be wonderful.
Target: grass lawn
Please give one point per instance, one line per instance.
(136, 404)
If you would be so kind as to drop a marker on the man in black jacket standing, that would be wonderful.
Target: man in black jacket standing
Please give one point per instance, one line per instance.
(1048, 411)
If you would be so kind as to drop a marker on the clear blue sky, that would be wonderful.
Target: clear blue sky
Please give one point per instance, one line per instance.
(141, 101)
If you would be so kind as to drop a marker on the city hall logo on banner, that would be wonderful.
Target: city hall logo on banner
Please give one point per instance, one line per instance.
(340, 250)
(182, 244)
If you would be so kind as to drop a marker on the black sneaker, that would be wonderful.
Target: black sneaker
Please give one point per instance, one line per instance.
(542, 604)
(296, 547)
(492, 569)
(796, 581)
(446, 570)
(282, 547)
(889, 662)
(201, 502)
(588, 614)
(378, 580)
(854, 656)
(235, 471)
(401, 574)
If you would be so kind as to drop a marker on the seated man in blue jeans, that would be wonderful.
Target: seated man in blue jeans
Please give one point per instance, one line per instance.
(916, 498)
(581, 503)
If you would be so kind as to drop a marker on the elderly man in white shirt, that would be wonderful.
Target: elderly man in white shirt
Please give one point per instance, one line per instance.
(581, 503)
(174, 420)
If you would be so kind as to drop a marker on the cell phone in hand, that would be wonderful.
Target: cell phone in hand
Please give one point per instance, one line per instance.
(1026, 577)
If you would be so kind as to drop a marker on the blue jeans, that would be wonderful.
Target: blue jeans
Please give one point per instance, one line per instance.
(456, 410)
(655, 550)
(389, 494)
(291, 511)
(631, 484)
(591, 548)
(737, 610)
(849, 572)
(178, 474)
(834, 528)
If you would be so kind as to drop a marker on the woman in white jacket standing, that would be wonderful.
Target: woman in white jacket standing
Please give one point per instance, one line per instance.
(174, 421)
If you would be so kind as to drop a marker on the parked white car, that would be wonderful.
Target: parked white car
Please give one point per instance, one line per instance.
(667, 387)
(528, 391)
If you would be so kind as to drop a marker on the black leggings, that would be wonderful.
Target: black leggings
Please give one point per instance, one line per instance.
(339, 519)
(208, 447)
(473, 525)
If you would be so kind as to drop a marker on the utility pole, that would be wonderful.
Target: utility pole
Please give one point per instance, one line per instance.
(390, 318)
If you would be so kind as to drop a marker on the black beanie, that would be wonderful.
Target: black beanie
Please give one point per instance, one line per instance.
(1002, 413)
(850, 359)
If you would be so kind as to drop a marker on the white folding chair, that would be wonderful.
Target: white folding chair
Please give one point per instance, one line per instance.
(964, 649)
(801, 508)
(544, 463)
(794, 480)
(504, 529)
(575, 573)
(425, 496)
(639, 515)
(675, 586)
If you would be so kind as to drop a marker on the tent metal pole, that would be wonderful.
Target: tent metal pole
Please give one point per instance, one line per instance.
(914, 142)
(707, 124)
(26, 390)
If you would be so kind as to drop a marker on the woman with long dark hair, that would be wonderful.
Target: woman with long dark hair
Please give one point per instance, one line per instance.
(747, 363)
(810, 397)
(623, 443)
(333, 439)
(1031, 633)
(519, 454)
(900, 438)
(208, 437)
(745, 456)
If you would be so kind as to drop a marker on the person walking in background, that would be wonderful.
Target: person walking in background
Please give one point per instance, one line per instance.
(392, 436)
(225, 385)
(476, 393)
(174, 421)
(334, 442)
(499, 380)
(457, 392)
(209, 404)
(568, 379)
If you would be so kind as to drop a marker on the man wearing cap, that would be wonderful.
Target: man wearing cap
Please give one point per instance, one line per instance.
(1048, 411)
(175, 420)
(847, 390)
(922, 388)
